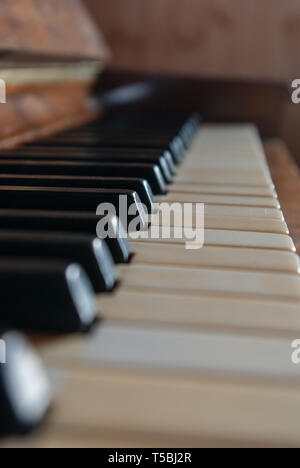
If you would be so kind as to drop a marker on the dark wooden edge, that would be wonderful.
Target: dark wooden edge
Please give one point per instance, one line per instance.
(31, 112)
(217, 99)
(286, 177)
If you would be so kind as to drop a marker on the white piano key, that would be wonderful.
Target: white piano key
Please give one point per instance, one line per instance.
(223, 143)
(222, 158)
(234, 223)
(221, 161)
(245, 211)
(249, 239)
(246, 224)
(219, 199)
(230, 210)
(231, 177)
(138, 411)
(143, 373)
(208, 280)
(225, 238)
(214, 189)
(216, 256)
(197, 310)
(220, 354)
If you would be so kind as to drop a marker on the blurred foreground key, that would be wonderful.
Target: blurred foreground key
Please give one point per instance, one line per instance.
(45, 296)
(25, 394)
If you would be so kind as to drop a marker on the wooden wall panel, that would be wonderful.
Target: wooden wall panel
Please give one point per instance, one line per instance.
(239, 38)
(61, 27)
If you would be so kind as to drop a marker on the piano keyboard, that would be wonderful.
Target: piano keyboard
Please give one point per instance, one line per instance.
(193, 347)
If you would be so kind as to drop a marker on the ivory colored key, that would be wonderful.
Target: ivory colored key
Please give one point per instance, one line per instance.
(198, 188)
(238, 211)
(223, 144)
(218, 157)
(185, 352)
(228, 238)
(143, 374)
(243, 211)
(213, 280)
(235, 134)
(222, 159)
(197, 176)
(219, 199)
(226, 135)
(190, 310)
(249, 239)
(233, 223)
(246, 224)
(215, 256)
(139, 411)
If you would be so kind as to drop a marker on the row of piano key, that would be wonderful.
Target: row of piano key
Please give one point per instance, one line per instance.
(175, 310)
(51, 263)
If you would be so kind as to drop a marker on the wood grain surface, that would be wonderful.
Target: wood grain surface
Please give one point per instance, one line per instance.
(59, 27)
(218, 100)
(42, 110)
(32, 34)
(254, 39)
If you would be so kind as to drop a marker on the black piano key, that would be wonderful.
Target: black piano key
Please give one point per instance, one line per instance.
(171, 164)
(57, 155)
(117, 240)
(45, 296)
(76, 199)
(124, 130)
(140, 186)
(25, 392)
(103, 137)
(149, 172)
(175, 146)
(144, 138)
(71, 222)
(90, 252)
(140, 119)
(187, 134)
(107, 154)
(189, 129)
(125, 126)
(166, 137)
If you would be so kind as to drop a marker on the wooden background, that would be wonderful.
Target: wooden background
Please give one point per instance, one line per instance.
(35, 30)
(257, 39)
(43, 26)
(236, 38)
